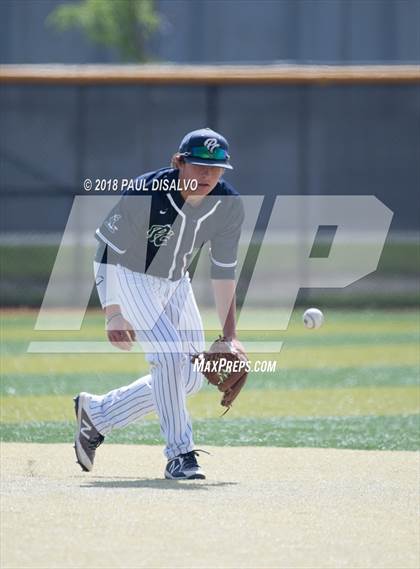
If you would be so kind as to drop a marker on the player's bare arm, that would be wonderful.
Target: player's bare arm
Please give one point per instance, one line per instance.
(225, 299)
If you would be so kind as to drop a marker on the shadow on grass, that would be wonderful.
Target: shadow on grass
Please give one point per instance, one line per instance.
(155, 483)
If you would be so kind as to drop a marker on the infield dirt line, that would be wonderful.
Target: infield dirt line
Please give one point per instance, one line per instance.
(259, 507)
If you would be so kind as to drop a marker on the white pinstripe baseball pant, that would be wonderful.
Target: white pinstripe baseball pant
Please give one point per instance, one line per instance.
(165, 317)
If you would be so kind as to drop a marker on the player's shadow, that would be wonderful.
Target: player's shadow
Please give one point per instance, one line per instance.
(155, 483)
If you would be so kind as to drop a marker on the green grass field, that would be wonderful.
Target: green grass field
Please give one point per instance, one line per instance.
(352, 384)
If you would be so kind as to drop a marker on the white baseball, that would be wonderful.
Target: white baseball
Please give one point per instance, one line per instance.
(313, 318)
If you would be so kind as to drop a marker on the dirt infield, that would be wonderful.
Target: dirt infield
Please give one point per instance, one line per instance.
(259, 507)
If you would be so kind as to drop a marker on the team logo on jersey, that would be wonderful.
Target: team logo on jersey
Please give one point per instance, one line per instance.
(211, 144)
(111, 223)
(160, 234)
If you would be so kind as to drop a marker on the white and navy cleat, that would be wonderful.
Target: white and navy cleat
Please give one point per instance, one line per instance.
(184, 467)
(87, 438)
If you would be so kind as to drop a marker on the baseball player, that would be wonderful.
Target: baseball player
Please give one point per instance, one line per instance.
(144, 250)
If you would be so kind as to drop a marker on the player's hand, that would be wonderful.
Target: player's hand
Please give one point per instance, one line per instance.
(238, 345)
(120, 332)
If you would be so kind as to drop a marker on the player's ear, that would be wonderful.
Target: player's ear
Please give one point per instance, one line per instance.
(176, 160)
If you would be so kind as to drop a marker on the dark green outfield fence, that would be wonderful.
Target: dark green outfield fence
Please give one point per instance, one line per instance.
(299, 130)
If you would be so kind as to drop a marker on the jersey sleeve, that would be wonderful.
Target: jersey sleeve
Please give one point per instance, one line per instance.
(120, 227)
(224, 245)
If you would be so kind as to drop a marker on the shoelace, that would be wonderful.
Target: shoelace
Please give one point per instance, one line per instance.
(189, 457)
(94, 443)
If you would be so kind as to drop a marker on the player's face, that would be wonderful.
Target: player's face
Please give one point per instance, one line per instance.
(206, 176)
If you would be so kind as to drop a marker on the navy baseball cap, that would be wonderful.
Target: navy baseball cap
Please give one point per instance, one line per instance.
(205, 147)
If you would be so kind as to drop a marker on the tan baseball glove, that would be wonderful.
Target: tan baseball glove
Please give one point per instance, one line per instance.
(225, 366)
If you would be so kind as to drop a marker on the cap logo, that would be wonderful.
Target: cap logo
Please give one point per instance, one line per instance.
(211, 144)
